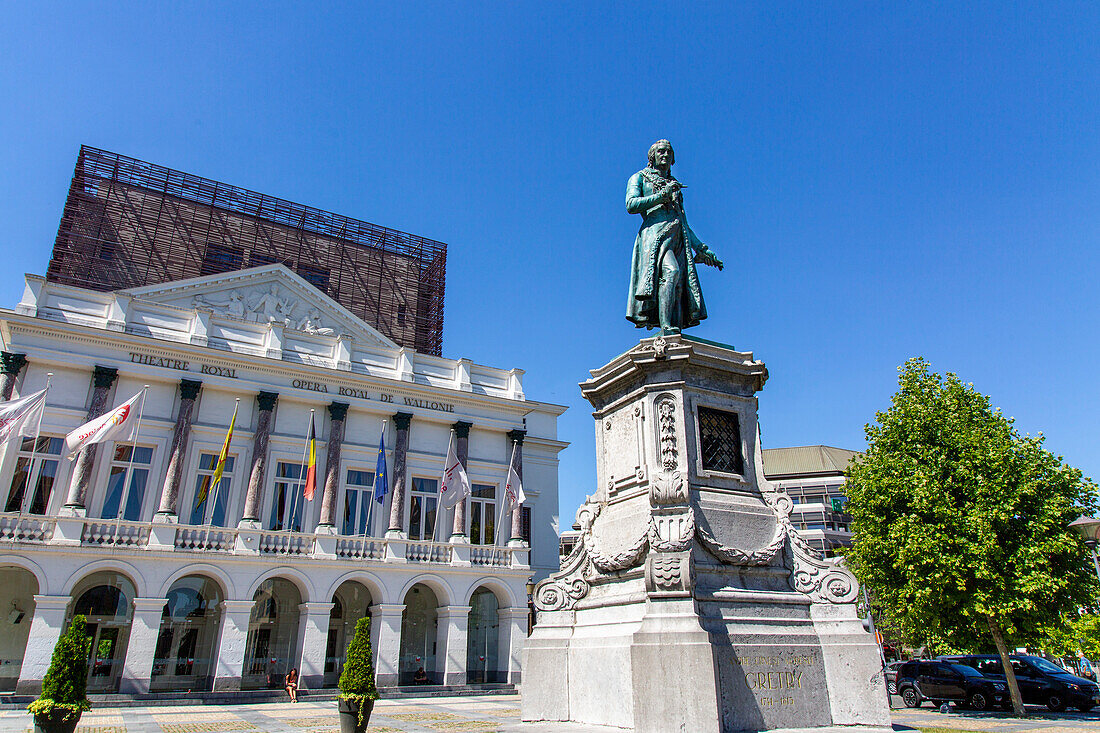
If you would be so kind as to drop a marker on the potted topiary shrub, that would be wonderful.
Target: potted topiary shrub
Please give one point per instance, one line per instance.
(357, 690)
(63, 699)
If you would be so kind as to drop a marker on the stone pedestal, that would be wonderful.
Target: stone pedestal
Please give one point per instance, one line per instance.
(690, 602)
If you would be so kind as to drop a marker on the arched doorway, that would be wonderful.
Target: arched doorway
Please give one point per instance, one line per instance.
(350, 602)
(184, 655)
(419, 626)
(16, 612)
(106, 600)
(271, 649)
(483, 638)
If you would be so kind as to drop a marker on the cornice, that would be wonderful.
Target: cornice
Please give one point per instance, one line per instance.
(96, 337)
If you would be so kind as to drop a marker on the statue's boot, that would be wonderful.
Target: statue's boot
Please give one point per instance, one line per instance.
(668, 306)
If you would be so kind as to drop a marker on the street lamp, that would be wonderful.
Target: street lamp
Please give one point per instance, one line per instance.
(1089, 527)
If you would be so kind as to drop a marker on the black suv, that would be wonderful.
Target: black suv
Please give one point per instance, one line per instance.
(1041, 682)
(940, 681)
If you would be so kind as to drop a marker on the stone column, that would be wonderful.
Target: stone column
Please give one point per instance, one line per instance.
(314, 644)
(513, 635)
(46, 626)
(516, 437)
(254, 497)
(387, 645)
(455, 620)
(169, 495)
(462, 448)
(103, 378)
(137, 669)
(229, 666)
(397, 502)
(337, 411)
(10, 366)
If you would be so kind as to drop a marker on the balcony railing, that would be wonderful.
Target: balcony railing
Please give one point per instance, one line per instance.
(16, 529)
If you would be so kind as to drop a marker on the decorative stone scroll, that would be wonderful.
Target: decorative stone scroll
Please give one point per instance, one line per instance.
(564, 588)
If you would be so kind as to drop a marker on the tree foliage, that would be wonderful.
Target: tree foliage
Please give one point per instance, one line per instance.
(962, 523)
(357, 680)
(65, 685)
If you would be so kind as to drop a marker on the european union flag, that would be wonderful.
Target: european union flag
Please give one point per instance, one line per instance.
(381, 478)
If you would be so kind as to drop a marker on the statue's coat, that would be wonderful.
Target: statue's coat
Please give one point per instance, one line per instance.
(662, 226)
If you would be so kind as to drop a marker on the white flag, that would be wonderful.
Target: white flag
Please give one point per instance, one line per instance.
(22, 416)
(513, 490)
(456, 484)
(104, 427)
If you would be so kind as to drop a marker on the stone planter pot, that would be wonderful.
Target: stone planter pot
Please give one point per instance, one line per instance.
(55, 723)
(349, 715)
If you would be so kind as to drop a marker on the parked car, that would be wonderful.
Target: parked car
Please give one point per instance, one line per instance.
(1041, 682)
(941, 681)
(891, 673)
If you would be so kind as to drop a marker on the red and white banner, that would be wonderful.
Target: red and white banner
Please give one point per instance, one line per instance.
(513, 490)
(103, 428)
(21, 417)
(456, 484)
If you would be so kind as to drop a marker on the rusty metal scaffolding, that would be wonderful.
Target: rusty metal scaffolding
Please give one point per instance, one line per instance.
(129, 223)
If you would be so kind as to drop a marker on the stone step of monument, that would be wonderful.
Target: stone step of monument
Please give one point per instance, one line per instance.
(9, 701)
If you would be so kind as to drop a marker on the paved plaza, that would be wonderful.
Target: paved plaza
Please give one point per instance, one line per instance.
(482, 714)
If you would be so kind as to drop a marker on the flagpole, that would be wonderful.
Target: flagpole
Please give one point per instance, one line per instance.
(503, 499)
(443, 482)
(301, 473)
(129, 480)
(28, 492)
(370, 508)
(218, 486)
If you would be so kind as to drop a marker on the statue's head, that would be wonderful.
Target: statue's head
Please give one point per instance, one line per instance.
(661, 145)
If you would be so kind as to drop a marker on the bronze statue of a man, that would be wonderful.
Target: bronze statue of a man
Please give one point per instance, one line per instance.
(664, 286)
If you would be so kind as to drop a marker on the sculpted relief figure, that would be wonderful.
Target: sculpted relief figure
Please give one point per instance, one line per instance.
(270, 308)
(312, 324)
(234, 307)
(664, 286)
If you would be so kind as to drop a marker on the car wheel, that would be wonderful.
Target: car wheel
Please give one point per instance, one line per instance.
(892, 688)
(978, 701)
(1055, 703)
(910, 697)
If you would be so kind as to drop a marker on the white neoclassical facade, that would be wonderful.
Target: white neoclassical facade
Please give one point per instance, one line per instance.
(188, 589)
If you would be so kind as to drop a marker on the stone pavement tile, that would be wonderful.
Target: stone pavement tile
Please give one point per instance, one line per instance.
(206, 726)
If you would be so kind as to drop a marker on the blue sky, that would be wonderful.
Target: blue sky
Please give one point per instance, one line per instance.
(882, 180)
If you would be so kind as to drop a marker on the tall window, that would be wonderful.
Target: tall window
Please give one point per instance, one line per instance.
(483, 514)
(37, 467)
(358, 489)
(286, 504)
(208, 505)
(127, 484)
(525, 523)
(424, 495)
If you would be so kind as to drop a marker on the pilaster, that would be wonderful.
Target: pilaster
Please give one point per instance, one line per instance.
(137, 669)
(254, 497)
(455, 620)
(231, 645)
(387, 643)
(47, 624)
(102, 379)
(314, 644)
(462, 449)
(396, 530)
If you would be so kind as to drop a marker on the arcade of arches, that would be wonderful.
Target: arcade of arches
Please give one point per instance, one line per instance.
(181, 642)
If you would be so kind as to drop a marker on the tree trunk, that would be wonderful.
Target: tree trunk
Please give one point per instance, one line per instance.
(1006, 664)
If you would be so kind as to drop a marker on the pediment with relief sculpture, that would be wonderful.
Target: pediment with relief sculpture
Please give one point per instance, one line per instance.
(263, 295)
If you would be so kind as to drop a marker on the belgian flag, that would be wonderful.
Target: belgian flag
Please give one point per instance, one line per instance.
(311, 458)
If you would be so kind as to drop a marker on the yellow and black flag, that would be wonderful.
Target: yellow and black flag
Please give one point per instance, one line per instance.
(219, 467)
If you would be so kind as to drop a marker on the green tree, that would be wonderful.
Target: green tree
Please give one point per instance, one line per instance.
(63, 690)
(357, 680)
(961, 523)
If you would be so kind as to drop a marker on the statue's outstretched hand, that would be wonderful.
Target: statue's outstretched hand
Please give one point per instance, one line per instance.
(709, 258)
